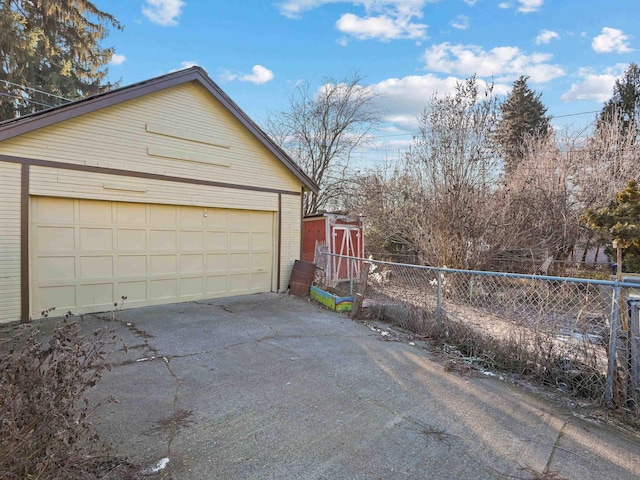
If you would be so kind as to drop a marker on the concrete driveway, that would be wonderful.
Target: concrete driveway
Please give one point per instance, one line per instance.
(275, 387)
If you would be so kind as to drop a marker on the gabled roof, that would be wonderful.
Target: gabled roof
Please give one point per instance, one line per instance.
(27, 123)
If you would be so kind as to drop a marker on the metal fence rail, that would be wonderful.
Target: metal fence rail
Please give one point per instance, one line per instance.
(577, 334)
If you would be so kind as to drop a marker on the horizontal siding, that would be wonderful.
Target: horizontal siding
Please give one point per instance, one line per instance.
(56, 182)
(9, 242)
(291, 237)
(117, 137)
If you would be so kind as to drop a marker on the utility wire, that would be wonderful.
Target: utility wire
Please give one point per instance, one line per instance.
(550, 116)
(36, 90)
(18, 97)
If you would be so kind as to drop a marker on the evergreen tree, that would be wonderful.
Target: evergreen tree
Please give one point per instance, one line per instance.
(625, 102)
(52, 46)
(620, 221)
(523, 115)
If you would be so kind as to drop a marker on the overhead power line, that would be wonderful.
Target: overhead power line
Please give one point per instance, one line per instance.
(18, 97)
(550, 116)
(25, 87)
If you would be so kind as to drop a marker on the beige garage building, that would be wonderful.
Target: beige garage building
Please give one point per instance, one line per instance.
(162, 191)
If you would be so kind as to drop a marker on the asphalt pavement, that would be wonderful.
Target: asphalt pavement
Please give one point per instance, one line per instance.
(276, 387)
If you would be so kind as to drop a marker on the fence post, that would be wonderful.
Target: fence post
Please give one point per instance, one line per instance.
(634, 361)
(350, 260)
(613, 343)
(438, 296)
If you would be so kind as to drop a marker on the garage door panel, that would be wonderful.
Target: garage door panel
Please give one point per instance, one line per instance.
(261, 241)
(216, 284)
(192, 217)
(56, 268)
(216, 241)
(163, 240)
(55, 210)
(239, 282)
(217, 262)
(131, 239)
(239, 261)
(239, 241)
(132, 265)
(134, 291)
(262, 222)
(191, 263)
(96, 294)
(191, 287)
(217, 219)
(260, 280)
(95, 239)
(88, 254)
(163, 288)
(240, 220)
(94, 211)
(55, 239)
(131, 214)
(163, 216)
(191, 240)
(163, 264)
(96, 267)
(261, 261)
(62, 297)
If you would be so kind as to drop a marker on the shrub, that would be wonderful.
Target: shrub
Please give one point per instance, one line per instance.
(45, 428)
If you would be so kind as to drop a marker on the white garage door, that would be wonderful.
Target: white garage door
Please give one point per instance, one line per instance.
(87, 254)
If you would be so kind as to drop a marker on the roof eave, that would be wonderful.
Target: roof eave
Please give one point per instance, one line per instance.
(61, 113)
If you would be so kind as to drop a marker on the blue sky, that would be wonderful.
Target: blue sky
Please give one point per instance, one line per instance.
(406, 50)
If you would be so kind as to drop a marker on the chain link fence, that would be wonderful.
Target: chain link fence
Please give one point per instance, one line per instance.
(554, 329)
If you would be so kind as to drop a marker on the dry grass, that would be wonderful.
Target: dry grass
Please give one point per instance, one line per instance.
(573, 369)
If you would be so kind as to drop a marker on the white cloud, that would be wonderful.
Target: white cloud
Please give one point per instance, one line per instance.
(528, 6)
(225, 75)
(404, 99)
(258, 76)
(611, 40)
(184, 65)
(545, 36)
(383, 19)
(593, 86)
(525, 6)
(117, 59)
(501, 63)
(382, 27)
(471, 3)
(295, 8)
(461, 22)
(163, 12)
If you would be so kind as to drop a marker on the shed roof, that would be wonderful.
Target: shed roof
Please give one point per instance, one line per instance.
(27, 123)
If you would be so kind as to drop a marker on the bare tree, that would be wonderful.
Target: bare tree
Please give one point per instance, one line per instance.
(438, 203)
(320, 131)
(541, 206)
(608, 161)
(454, 160)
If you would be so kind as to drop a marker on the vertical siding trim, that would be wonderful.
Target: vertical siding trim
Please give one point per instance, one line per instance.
(301, 218)
(279, 254)
(24, 243)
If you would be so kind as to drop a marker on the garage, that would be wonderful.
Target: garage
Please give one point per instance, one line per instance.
(88, 254)
(160, 192)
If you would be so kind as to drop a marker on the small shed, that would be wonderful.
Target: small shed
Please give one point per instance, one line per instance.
(335, 233)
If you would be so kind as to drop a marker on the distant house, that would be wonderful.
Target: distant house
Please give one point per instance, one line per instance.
(162, 191)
